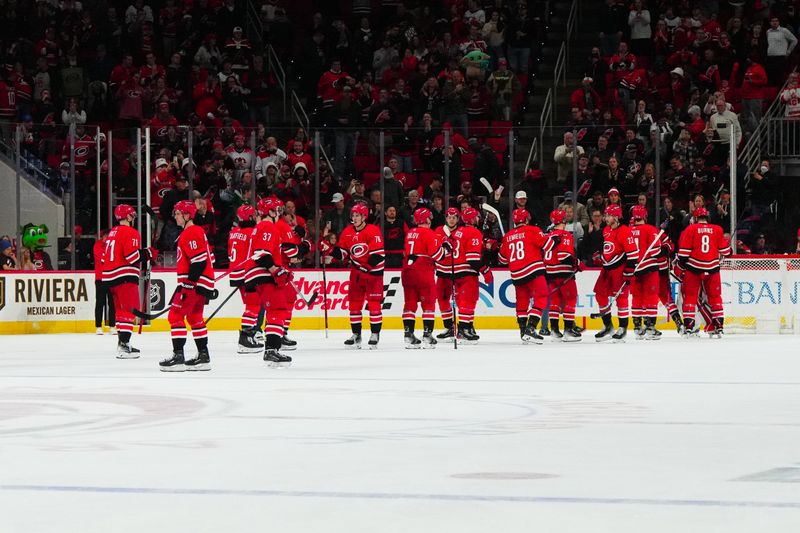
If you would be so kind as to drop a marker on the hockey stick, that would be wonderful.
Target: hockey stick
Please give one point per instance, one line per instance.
(308, 302)
(151, 316)
(492, 210)
(487, 185)
(146, 294)
(563, 282)
(453, 299)
(325, 296)
(625, 283)
(214, 313)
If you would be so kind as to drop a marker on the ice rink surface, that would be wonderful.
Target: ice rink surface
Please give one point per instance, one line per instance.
(669, 436)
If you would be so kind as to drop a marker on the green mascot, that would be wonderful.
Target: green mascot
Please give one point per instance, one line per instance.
(34, 241)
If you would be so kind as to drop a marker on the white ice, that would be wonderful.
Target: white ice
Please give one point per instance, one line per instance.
(672, 436)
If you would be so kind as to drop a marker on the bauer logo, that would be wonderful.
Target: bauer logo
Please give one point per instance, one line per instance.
(2, 293)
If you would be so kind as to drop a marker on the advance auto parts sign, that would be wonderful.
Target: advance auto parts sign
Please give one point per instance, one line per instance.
(46, 296)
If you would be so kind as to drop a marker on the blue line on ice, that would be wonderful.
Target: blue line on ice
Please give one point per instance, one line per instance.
(402, 496)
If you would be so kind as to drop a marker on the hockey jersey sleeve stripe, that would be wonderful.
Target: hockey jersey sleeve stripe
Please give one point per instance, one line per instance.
(202, 256)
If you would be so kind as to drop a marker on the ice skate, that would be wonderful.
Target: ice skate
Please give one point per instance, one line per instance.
(446, 334)
(620, 335)
(372, 343)
(412, 342)
(531, 336)
(716, 334)
(544, 332)
(354, 342)
(555, 333)
(651, 333)
(428, 342)
(126, 351)
(275, 359)
(571, 335)
(464, 336)
(248, 343)
(258, 335)
(200, 363)
(638, 329)
(288, 344)
(176, 363)
(605, 333)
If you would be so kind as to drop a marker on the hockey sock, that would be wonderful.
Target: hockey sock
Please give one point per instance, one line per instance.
(202, 344)
(408, 325)
(606, 320)
(554, 324)
(448, 323)
(427, 325)
(718, 322)
(688, 323)
(523, 323)
(569, 324)
(637, 322)
(623, 322)
(285, 330)
(533, 321)
(376, 328)
(272, 342)
(178, 343)
(124, 337)
(355, 328)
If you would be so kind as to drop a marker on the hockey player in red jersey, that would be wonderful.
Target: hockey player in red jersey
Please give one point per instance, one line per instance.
(362, 245)
(264, 272)
(239, 242)
(521, 250)
(195, 288)
(293, 245)
(422, 249)
(699, 249)
(619, 262)
(444, 276)
(467, 243)
(645, 283)
(561, 264)
(121, 262)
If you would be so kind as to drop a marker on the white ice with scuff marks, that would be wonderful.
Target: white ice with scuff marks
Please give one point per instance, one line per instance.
(670, 436)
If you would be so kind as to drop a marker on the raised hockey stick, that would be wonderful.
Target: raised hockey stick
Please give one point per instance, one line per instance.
(625, 283)
(492, 210)
(325, 296)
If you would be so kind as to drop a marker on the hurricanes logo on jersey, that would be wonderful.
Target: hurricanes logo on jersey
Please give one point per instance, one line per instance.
(608, 248)
(359, 250)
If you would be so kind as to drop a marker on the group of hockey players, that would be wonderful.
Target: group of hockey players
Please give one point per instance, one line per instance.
(440, 266)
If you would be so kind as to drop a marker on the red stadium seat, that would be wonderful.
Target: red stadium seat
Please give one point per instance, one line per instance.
(478, 128)
(370, 179)
(425, 178)
(500, 128)
(498, 144)
(468, 161)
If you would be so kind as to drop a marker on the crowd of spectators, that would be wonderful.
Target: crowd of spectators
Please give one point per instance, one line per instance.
(665, 89)
(442, 81)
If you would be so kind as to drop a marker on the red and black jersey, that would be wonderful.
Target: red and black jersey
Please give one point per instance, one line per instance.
(290, 242)
(559, 259)
(422, 249)
(363, 248)
(467, 249)
(8, 100)
(701, 246)
(444, 263)
(619, 246)
(667, 249)
(239, 242)
(648, 241)
(265, 252)
(194, 252)
(121, 256)
(521, 250)
(85, 148)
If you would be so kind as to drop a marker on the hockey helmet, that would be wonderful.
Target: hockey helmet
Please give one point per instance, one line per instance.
(422, 215)
(452, 212)
(265, 205)
(122, 211)
(614, 210)
(186, 207)
(558, 216)
(639, 212)
(520, 216)
(700, 212)
(245, 212)
(470, 215)
(360, 209)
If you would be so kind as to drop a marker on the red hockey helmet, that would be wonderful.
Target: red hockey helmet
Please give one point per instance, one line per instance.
(123, 211)
(558, 216)
(265, 205)
(520, 216)
(360, 209)
(470, 215)
(186, 207)
(639, 212)
(614, 210)
(422, 215)
(452, 212)
(700, 212)
(245, 212)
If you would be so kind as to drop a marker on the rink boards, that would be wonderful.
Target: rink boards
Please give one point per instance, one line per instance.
(61, 302)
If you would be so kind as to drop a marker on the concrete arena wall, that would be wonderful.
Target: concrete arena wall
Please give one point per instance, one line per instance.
(61, 302)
